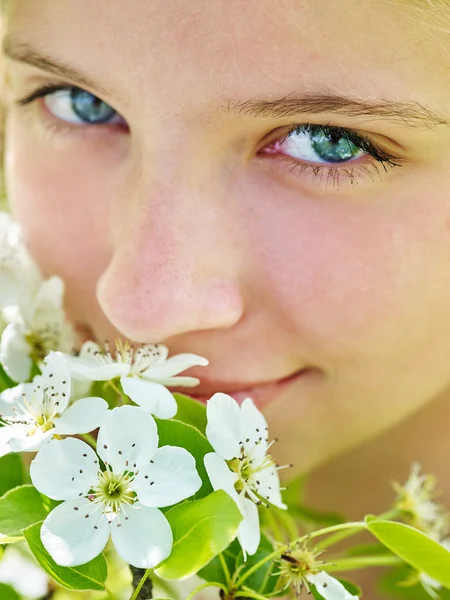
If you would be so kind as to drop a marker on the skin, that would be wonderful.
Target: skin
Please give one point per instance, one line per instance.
(177, 228)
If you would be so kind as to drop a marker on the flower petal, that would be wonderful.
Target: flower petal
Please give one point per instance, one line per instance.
(56, 378)
(64, 469)
(25, 441)
(84, 370)
(254, 427)
(144, 539)
(174, 365)
(91, 364)
(83, 416)
(170, 477)
(178, 381)
(329, 587)
(269, 486)
(13, 400)
(6, 433)
(224, 428)
(128, 438)
(14, 353)
(249, 534)
(153, 397)
(220, 475)
(75, 532)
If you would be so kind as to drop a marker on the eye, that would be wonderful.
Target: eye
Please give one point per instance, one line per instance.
(332, 151)
(321, 144)
(74, 105)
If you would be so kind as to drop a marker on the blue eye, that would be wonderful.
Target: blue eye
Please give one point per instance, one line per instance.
(78, 106)
(74, 105)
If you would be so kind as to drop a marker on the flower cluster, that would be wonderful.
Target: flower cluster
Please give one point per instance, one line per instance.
(123, 467)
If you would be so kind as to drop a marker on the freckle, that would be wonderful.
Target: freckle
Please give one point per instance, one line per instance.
(75, 508)
(146, 477)
(119, 451)
(95, 527)
(86, 516)
(119, 525)
(85, 455)
(105, 446)
(73, 478)
(81, 470)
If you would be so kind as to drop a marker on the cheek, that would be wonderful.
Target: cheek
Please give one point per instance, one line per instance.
(359, 280)
(61, 200)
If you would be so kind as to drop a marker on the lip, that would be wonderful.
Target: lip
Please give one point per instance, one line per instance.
(262, 395)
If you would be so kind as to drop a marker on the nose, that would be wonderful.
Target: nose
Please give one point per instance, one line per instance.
(175, 265)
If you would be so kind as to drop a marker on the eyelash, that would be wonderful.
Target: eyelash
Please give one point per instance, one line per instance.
(352, 173)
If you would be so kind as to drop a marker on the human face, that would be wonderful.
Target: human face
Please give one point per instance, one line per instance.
(180, 219)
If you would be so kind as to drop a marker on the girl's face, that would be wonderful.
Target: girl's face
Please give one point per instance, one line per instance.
(161, 184)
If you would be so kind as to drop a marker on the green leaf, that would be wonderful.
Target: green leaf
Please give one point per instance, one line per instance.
(90, 576)
(5, 381)
(8, 593)
(191, 411)
(7, 539)
(21, 507)
(175, 433)
(11, 472)
(104, 390)
(414, 547)
(201, 530)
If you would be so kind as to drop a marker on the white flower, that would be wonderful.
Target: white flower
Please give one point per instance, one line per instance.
(32, 413)
(22, 573)
(415, 499)
(19, 276)
(120, 500)
(144, 373)
(240, 464)
(35, 327)
(329, 587)
(299, 568)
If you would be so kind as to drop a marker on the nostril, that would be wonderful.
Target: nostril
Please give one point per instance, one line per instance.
(152, 308)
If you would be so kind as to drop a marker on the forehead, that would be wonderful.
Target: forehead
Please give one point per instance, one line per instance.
(206, 50)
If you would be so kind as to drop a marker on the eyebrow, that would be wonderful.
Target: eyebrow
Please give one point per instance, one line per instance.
(24, 53)
(410, 114)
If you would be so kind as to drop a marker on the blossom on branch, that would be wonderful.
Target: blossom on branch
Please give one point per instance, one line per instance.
(32, 413)
(300, 568)
(19, 276)
(240, 464)
(416, 503)
(121, 499)
(144, 372)
(36, 326)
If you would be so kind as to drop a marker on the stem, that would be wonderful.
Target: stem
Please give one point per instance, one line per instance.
(248, 593)
(201, 587)
(304, 538)
(87, 437)
(351, 564)
(110, 594)
(140, 584)
(335, 538)
(225, 568)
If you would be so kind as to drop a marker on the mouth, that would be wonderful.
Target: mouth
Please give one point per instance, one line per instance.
(262, 394)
